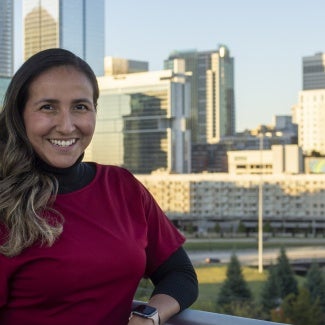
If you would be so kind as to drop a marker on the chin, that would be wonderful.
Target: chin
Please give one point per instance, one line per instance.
(59, 164)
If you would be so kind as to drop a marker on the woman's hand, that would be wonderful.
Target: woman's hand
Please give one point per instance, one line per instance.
(166, 307)
(137, 320)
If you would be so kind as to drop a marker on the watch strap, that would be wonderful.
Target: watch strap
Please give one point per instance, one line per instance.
(153, 315)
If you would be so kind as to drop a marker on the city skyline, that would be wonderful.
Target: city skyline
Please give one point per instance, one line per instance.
(267, 40)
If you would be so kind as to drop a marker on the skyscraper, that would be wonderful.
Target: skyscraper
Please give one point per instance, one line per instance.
(76, 25)
(314, 71)
(212, 92)
(309, 112)
(10, 37)
(28, 26)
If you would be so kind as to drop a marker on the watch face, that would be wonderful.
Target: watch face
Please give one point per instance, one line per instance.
(145, 310)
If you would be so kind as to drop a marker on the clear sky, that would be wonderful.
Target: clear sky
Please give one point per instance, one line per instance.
(267, 38)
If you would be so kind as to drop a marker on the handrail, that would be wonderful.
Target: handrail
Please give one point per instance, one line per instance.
(199, 317)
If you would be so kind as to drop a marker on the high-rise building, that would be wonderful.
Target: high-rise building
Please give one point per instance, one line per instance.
(141, 122)
(28, 26)
(10, 37)
(6, 37)
(314, 71)
(212, 93)
(76, 25)
(309, 114)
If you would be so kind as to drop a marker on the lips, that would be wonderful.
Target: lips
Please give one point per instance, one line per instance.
(63, 143)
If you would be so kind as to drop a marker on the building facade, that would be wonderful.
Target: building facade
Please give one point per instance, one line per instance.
(290, 202)
(309, 114)
(10, 37)
(212, 95)
(220, 97)
(115, 66)
(314, 71)
(279, 159)
(142, 122)
(4, 83)
(76, 25)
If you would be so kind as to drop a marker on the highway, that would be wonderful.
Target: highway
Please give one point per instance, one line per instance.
(250, 256)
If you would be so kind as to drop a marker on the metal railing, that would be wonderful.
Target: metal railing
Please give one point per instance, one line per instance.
(198, 317)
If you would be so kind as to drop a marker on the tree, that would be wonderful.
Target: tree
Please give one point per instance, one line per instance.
(270, 295)
(285, 276)
(315, 283)
(234, 289)
(299, 310)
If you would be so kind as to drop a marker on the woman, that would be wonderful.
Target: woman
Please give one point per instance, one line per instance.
(76, 237)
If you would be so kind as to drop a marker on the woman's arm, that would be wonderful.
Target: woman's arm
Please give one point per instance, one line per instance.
(176, 287)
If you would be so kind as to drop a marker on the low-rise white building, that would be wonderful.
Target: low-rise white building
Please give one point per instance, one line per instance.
(288, 200)
(280, 159)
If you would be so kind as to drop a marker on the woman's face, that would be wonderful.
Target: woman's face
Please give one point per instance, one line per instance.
(60, 115)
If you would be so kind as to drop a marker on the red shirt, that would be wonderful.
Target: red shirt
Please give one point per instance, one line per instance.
(114, 234)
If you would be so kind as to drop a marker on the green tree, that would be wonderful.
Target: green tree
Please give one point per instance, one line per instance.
(234, 289)
(285, 276)
(299, 310)
(270, 294)
(315, 283)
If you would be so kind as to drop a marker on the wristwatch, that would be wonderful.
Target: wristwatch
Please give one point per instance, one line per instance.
(146, 311)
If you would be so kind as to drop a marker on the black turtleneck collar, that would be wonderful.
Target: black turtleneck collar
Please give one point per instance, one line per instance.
(71, 178)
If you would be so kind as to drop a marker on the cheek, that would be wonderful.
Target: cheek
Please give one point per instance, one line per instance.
(35, 126)
(88, 127)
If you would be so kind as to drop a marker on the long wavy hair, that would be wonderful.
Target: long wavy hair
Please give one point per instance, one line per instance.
(27, 193)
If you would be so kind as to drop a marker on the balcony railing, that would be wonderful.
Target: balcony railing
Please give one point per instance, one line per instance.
(198, 317)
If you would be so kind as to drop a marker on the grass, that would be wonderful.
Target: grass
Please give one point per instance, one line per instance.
(248, 243)
(210, 281)
(211, 277)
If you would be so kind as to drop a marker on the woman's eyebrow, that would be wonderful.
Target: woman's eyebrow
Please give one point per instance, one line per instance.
(56, 101)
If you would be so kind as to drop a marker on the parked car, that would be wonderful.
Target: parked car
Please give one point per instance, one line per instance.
(212, 260)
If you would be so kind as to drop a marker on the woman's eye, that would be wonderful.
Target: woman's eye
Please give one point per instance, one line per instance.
(47, 107)
(81, 107)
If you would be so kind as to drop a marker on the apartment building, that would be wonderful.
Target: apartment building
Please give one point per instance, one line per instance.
(289, 201)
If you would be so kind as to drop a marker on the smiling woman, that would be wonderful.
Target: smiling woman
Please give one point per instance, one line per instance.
(60, 115)
(69, 229)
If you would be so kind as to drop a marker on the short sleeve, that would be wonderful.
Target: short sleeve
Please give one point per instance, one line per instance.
(163, 237)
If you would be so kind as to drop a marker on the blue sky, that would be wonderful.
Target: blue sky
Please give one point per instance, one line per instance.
(267, 39)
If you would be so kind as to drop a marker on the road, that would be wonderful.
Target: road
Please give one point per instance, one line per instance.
(250, 256)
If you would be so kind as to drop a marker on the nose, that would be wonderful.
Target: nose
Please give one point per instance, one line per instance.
(65, 122)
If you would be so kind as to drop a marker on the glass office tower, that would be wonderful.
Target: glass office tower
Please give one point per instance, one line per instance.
(10, 37)
(142, 122)
(6, 37)
(212, 94)
(314, 71)
(76, 25)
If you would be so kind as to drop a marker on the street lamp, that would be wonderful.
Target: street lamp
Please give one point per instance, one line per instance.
(260, 207)
(260, 201)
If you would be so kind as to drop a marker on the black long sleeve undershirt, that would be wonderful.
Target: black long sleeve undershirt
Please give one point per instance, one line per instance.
(176, 277)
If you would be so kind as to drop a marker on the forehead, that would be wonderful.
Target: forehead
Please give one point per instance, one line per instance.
(59, 71)
(60, 78)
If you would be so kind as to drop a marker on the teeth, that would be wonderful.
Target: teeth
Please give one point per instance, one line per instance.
(63, 143)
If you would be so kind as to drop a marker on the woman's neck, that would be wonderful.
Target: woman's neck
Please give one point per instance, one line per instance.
(72, 178)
